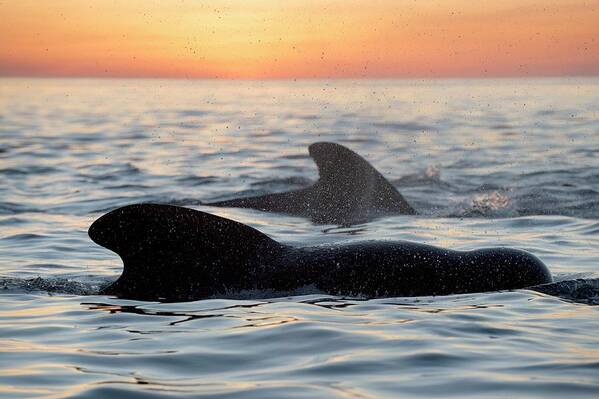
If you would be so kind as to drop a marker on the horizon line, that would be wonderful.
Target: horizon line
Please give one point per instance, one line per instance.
(303, 78)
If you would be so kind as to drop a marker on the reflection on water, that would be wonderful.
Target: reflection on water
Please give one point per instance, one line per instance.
(485, 163)
(498, 344)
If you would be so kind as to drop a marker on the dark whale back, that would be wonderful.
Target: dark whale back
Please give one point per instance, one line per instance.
(349, 190)
(384, 269)
(174, 253)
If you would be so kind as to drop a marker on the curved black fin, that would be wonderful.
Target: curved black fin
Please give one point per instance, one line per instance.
(349, 176)
(349, 191)
(165, 246)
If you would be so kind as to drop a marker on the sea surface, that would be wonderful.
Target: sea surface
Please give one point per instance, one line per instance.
(508, 162)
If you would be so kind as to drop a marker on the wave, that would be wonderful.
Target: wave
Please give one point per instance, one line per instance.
(53, 285)
(581, 290)
(449, 190)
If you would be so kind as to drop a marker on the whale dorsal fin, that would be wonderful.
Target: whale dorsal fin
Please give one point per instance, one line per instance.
(161, 243)
(346, 177)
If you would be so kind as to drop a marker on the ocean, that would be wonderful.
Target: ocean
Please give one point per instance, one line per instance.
(489, 162)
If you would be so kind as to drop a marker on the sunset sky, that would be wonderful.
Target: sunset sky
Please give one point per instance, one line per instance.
(299, 39)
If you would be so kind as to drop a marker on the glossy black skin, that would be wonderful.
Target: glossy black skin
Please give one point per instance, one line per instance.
(173, 253)
(349, 191)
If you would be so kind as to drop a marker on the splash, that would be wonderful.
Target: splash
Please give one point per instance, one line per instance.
(489, 202)
(581, 290)
(51, 285)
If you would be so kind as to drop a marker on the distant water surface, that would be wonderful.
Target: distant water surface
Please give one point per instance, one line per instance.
(484, 162)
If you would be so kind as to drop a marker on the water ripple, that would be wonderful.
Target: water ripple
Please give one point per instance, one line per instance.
(485, 163)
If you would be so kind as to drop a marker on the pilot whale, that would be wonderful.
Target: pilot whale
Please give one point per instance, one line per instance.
(349, 191)
(173, 253)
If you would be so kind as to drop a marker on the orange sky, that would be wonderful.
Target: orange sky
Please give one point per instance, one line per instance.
(298, 39)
